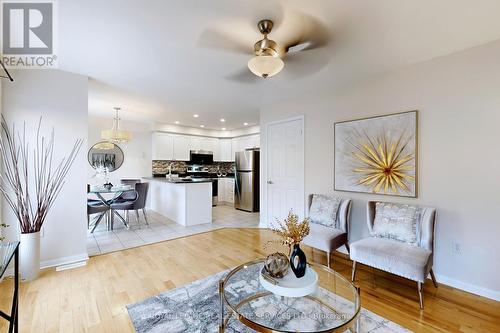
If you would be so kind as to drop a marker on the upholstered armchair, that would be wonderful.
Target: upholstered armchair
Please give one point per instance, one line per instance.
(409, 260)
(330, 238)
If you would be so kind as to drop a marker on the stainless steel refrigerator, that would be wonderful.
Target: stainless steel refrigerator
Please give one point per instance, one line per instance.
(246, 194)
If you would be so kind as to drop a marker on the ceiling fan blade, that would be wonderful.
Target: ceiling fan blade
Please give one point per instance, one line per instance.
(243, 76)
(303, 32)
(220, 41)
(299, 65)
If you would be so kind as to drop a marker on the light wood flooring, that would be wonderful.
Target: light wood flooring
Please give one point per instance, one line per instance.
(93, 298)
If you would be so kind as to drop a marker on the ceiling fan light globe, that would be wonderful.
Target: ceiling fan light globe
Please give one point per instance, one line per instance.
(265, 65)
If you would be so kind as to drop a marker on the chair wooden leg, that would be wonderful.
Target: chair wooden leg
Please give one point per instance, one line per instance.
(137, 216)
(328, 255)
(353, 276)
(145, 217)
(420, 295)
(434, 279)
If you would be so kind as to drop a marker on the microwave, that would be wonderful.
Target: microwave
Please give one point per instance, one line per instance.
(201, 157)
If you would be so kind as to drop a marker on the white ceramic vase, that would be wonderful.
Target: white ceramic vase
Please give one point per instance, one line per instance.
(29, 252)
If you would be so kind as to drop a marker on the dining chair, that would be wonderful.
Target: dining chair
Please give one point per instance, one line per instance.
(128, 195)
(92, 209)
(138, 202)
(95, 206)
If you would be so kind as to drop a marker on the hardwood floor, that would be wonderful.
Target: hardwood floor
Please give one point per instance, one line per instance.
(93, 298)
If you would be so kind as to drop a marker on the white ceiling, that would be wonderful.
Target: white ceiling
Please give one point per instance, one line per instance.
(146, 56)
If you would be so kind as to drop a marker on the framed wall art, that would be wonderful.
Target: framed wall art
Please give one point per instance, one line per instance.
(378, 155)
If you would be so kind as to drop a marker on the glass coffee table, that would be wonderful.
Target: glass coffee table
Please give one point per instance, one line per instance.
(334, 307)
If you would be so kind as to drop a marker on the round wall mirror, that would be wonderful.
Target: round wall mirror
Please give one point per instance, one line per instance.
(107, 155)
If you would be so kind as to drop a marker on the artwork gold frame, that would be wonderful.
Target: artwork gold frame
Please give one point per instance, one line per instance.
(377, 155)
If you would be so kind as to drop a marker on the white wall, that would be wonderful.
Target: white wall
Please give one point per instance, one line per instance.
(137, 152)
(458, 97)
(61, 98)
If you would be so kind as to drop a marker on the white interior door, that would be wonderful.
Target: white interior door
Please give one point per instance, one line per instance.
(285, 169)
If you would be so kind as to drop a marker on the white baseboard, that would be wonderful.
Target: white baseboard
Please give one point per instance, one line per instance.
(60, 263)
(71, 265)
(471, 288)
(64, 261)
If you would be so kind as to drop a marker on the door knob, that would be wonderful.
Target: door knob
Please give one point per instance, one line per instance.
(270, 182)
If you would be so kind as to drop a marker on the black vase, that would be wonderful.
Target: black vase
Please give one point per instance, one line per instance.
(298, 261)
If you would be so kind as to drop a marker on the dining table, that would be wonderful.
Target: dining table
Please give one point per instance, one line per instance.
(109, 195)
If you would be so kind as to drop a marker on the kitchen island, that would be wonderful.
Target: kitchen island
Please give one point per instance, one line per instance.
(184, 201)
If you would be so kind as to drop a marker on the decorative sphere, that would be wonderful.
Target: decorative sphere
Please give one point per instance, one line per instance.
(277, 265)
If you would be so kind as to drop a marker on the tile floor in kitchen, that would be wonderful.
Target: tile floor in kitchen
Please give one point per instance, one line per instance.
(160, 228)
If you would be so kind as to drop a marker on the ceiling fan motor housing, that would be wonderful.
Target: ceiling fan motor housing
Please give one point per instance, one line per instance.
(266, 47)
(265, 26)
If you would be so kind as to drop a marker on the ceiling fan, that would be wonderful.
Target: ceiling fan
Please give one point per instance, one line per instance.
(299, 32)
(267, 61)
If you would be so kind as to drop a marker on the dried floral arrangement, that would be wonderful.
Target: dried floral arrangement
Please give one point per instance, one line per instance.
(31, 180)
(290, 230)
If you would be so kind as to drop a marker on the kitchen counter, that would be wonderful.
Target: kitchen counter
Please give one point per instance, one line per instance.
(179, 180)
(184, 202)
(182, 175)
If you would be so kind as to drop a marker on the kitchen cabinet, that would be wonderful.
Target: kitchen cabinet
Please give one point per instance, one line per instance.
(207, 144)
(225, 150)
(163, 146)
(212, 144)
(177, 146)
(196, 143)
(244, 142)
(226, 190)
(230, 190)
(254, 141)
(182, 145)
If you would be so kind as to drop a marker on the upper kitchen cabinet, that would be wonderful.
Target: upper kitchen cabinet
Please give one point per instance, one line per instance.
(182, 145)
(254, 141)
(212, 144)
(225, 150)
(177, 146)
(196, 143)
(163, 146)
(207, 144)
(245, 142)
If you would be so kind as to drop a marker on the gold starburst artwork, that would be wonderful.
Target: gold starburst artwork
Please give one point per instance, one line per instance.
(377, 154)
(383, 164)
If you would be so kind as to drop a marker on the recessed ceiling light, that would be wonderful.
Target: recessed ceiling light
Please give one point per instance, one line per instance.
(196, 115)
(223, 128)
(222, 120)
(176, 122)
(202, 125)
(246, 124)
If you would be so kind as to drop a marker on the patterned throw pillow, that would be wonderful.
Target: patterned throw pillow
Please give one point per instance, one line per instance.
(397, 221)
(324, 210)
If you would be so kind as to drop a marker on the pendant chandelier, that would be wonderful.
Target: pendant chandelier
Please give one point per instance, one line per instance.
(115, 134)
(105, 145)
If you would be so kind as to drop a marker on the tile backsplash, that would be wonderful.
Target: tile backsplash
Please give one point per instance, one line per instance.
(160, 167)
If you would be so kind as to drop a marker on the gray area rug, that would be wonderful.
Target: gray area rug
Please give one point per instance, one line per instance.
(195, 308)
